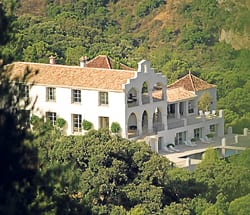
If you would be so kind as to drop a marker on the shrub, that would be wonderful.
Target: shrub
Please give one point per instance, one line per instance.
(60, 122)
(115, 127)
(210, 135)
(87, 125)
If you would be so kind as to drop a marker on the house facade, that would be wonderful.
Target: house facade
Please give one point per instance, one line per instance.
(139, 100)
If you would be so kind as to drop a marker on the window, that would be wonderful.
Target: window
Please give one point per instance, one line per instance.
(52, 117)
(197, 133)
(77, 122)
(104, 122)
(51, 94)
(24, 118)
(26, 91)
(103, 98)
(23, 93)
(191, 107)
(180, 137)
(212, 128)
(76, 96)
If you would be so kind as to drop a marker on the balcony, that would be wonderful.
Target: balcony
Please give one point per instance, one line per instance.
(158, 127)
(191, 120)
(175, 123)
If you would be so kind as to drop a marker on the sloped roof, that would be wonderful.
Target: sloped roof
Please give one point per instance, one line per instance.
(191, 83)
(178, 94)
(175, 94)
(105, 62)
(72, 76)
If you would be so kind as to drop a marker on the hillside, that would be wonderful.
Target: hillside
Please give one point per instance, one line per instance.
(166, 16)
(208, 38)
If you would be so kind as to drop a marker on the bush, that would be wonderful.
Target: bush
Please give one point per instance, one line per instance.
(87, 125)
(239, 124)
(60, 122)
(115, 127)
(210, 135)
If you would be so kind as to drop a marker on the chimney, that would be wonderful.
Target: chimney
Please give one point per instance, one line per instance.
(52, 59)
(83, 61)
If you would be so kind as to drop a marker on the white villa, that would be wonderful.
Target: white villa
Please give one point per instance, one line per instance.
(139, 101)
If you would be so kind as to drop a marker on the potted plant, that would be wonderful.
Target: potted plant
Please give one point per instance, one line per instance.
(210, 135)
(115, 127)
(60, 123)
(87, 125)
(193, 140)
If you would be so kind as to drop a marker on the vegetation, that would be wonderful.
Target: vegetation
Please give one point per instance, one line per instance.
(166, 33)
(87, 125)
(205, 101)
(115, 127)
(45, 172)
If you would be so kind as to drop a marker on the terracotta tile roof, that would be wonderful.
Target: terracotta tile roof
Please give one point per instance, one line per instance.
(175, 94)
(103, 61)
(191, 83)
(178, 94)
(73, 76)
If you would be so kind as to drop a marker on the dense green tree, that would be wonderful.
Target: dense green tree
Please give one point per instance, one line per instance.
(18, 155)
(4, 23)
(240, 206)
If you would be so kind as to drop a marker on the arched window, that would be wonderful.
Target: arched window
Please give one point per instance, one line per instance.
(145, 93)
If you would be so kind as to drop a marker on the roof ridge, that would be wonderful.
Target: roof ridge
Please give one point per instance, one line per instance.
(74, 66)
(108, 61)
(93, 59)
(191, 79)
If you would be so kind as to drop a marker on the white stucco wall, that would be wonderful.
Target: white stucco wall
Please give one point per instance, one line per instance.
(89, 107)
(146, 74)
(118, 109)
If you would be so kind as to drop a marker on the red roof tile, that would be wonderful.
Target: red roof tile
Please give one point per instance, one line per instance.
(73, 76)
(178, 94)
(103, 61)
(191, 83)
(175, 94)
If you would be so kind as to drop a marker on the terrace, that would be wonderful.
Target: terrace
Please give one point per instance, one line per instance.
(191, 120)
(183, 158)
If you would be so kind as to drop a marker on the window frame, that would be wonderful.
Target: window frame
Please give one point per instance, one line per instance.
(52, 117)
(197, 133)
(76, 96)
(26, 91)
(104, 122)
(77, 120)
(212, 128)
(103, 98)
(51, 94)
(191, 106)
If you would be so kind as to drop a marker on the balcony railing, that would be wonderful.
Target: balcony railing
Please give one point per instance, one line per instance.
(158, 127)
(190, 120)
(175, 123)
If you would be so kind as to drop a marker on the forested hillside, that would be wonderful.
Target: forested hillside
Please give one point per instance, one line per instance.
(45, 172)
(208, 38)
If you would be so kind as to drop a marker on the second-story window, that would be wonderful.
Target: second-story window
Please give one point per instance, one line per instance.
(191, 107)
(52, 117)
(51, 94)
(103, 98)
(76, 96)
(24, 92)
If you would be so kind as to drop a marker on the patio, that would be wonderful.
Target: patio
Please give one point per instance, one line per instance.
(181, 159)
